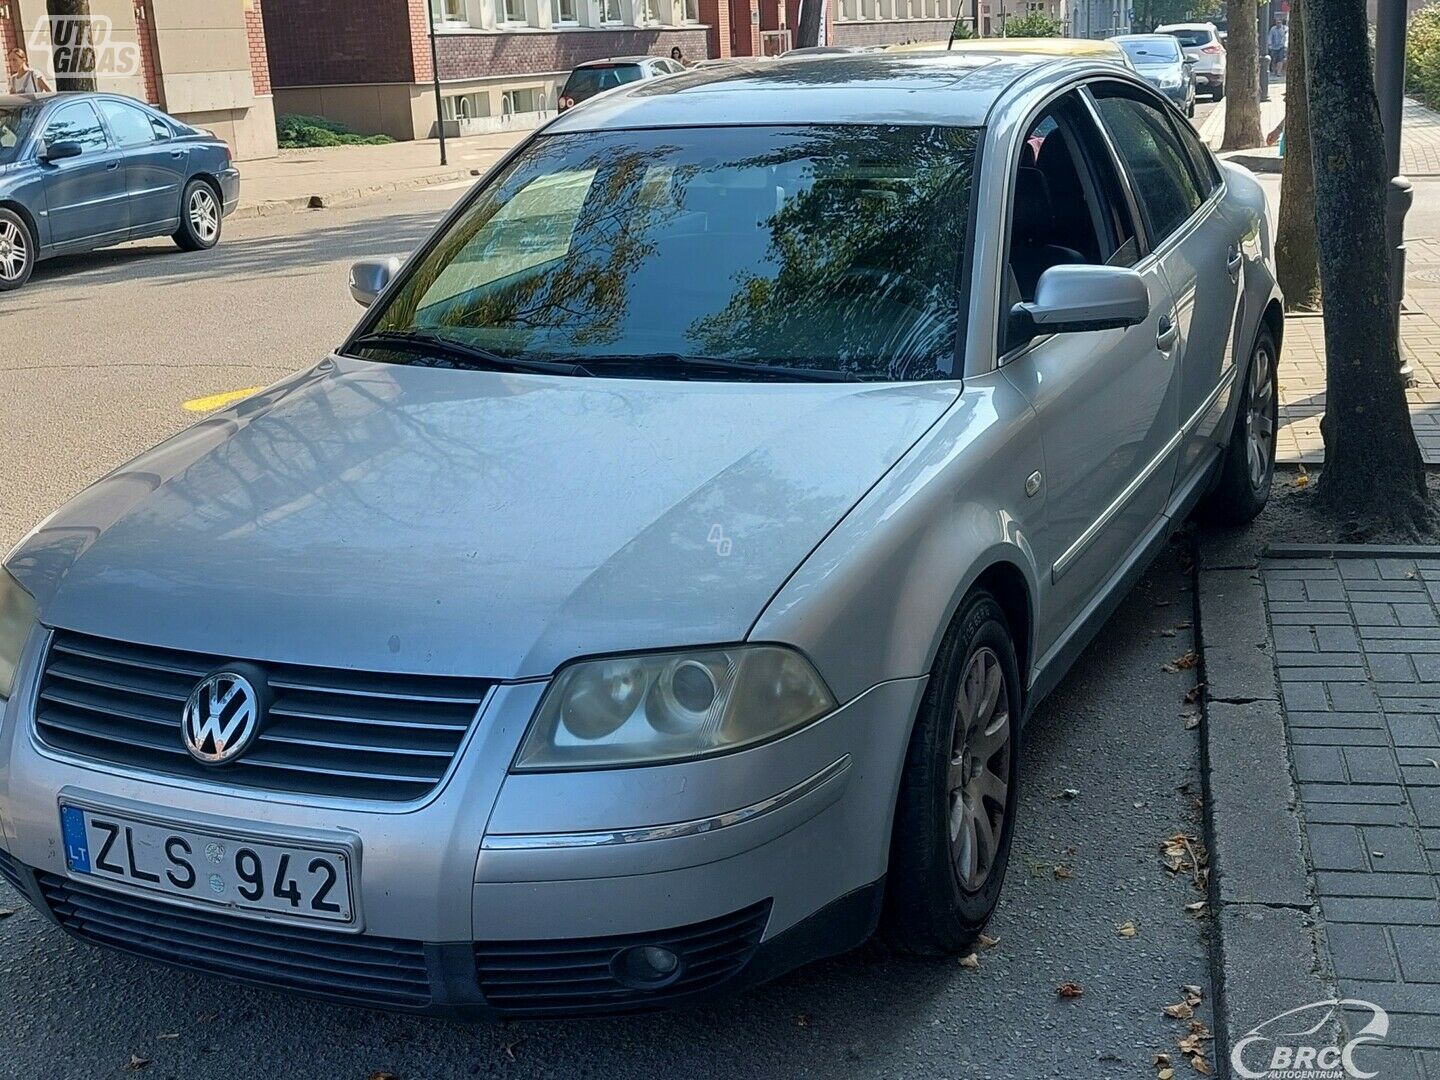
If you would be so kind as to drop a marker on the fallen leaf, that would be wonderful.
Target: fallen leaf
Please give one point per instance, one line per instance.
(1188, 661)
(989, 942)
(1069, 793)
(510, 1048)
(137, 1063)
(6, 912)
(383, 1074)
(1166, 1073)
(1162, 603)
(1070, 990)
(1161, 1060)
(803, 1020)
(1183, 625)
(1198, 908)
(169, 1035)
(1193, 994)
(1063, 873)
(971, 961)
(1193, 694)
(1199, 1030)
(1127, 930)
(1200, 1065)
(1138, 803)
(1192, 720)
(1165, 633)
(1179, 1011)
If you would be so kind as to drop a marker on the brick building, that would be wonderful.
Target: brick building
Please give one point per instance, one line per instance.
(366, 63)
(204, 62)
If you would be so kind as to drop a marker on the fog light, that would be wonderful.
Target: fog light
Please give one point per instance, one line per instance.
(645, 967)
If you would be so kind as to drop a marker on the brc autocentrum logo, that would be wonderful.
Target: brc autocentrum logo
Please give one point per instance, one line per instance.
(1302, 1044)
(83, 45)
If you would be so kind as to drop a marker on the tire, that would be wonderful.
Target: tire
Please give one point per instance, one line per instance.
(17, 251)
(1249, 462)
(1218, 94)
(938, 898)
(1190, 109)
(201, 217)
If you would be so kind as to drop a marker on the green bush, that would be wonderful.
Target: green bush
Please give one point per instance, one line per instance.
(297, 132)
(1422, 56)
(1034, 24)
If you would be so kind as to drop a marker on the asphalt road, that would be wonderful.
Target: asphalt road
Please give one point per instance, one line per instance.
(97, 357)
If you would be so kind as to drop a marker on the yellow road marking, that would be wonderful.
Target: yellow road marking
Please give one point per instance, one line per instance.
(219, 401)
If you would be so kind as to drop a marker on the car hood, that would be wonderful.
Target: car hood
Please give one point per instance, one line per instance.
(425, 520)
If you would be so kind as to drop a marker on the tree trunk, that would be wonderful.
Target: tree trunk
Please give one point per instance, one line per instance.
(74, 46)
(1374, 475)
(807, 33)
(1242, 78)
(1296, 257)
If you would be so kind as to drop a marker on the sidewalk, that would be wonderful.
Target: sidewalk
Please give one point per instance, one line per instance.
(327, 176)
(1323, 690)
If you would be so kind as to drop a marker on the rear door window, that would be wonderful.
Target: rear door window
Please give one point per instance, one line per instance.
(129, 125)
(1159, 168)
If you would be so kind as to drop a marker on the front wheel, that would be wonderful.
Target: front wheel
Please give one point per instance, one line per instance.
(200, 217)
(1249, 462)
(17, 251)
(958, 791)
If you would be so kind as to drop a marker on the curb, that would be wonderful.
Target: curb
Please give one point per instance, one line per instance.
(1352, 551)
(1267, 952)
(273, 207)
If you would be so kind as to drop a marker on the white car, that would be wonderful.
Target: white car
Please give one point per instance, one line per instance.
(1203, 44)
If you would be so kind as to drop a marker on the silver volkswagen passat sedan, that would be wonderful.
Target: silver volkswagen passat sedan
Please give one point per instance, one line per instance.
(649, 595)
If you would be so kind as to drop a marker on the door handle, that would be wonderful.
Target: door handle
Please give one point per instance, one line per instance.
(1167, 334)
(1233, 262)
(112, 166)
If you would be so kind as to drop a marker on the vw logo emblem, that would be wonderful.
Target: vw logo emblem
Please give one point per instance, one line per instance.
(222, 717)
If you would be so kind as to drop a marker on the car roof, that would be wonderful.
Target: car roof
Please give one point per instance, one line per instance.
(1185, 26)
(612, 60)
(16, 101)
(954, 88)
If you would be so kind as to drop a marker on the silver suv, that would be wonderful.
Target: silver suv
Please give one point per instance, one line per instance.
(651, 593)
(1203, 44)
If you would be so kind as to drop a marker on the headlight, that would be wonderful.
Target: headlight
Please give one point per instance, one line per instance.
(668, 706)
(17, 616)
(1171, 84)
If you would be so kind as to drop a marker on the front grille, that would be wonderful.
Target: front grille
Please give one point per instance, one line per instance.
(363, 970)
(329, 731)
(12, 871)
(569, 977)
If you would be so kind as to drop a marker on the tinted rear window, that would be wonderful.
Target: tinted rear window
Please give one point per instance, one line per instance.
(587, 82)
(1156, 51)
(1192, 39)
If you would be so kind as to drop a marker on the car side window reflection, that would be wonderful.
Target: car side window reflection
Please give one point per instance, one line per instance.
(1160, 171)
(77, 123)
(129, 125)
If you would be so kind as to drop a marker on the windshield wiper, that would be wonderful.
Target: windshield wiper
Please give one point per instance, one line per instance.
(674, 365)
(470, 356)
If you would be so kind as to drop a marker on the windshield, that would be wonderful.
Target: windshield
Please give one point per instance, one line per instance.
(833, 249)
(1152, 51)
(15, 124)
(1191, 39)
(586, 82)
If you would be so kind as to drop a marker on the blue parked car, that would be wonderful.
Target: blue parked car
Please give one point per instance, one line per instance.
(83, 171)
(1162, 63)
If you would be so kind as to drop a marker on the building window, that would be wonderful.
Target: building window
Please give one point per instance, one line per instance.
(531, 99)
(565, 13)
(451, 11)
(610, 12)
(510, 12)
(692, 11)
(466, 106)
(648, 15)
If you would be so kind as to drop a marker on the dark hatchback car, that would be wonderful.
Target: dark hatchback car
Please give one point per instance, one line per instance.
(587, 80)
(83, 171)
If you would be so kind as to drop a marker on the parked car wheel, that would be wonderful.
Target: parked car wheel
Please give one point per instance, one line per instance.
(1249, 469)
(958, 790)
(1218, 92)
(1190, 108)
(17, 251)
(200, 217)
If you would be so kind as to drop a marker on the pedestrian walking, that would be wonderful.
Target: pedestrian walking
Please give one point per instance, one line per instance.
(23, 78)
(1278, 44)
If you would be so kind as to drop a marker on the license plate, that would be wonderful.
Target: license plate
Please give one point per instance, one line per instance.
(223, 870)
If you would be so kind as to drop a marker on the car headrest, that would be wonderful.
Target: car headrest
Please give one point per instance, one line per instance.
(1034, 212)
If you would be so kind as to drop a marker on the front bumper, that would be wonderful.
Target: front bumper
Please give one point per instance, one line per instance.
(507, 894)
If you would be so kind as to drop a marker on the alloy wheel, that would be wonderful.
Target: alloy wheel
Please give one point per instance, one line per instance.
(978, 780)
(14, 251)
(204, 214)
(1260, 419)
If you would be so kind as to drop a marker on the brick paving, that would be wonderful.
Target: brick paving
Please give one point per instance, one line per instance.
(1357, 651)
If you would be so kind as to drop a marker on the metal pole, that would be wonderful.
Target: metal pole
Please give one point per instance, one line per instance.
(435, 71)
(1390, 92)
(1262, 31)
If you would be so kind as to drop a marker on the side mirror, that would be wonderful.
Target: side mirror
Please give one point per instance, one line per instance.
(1077, 299)
(370, 277)
(59, 151)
